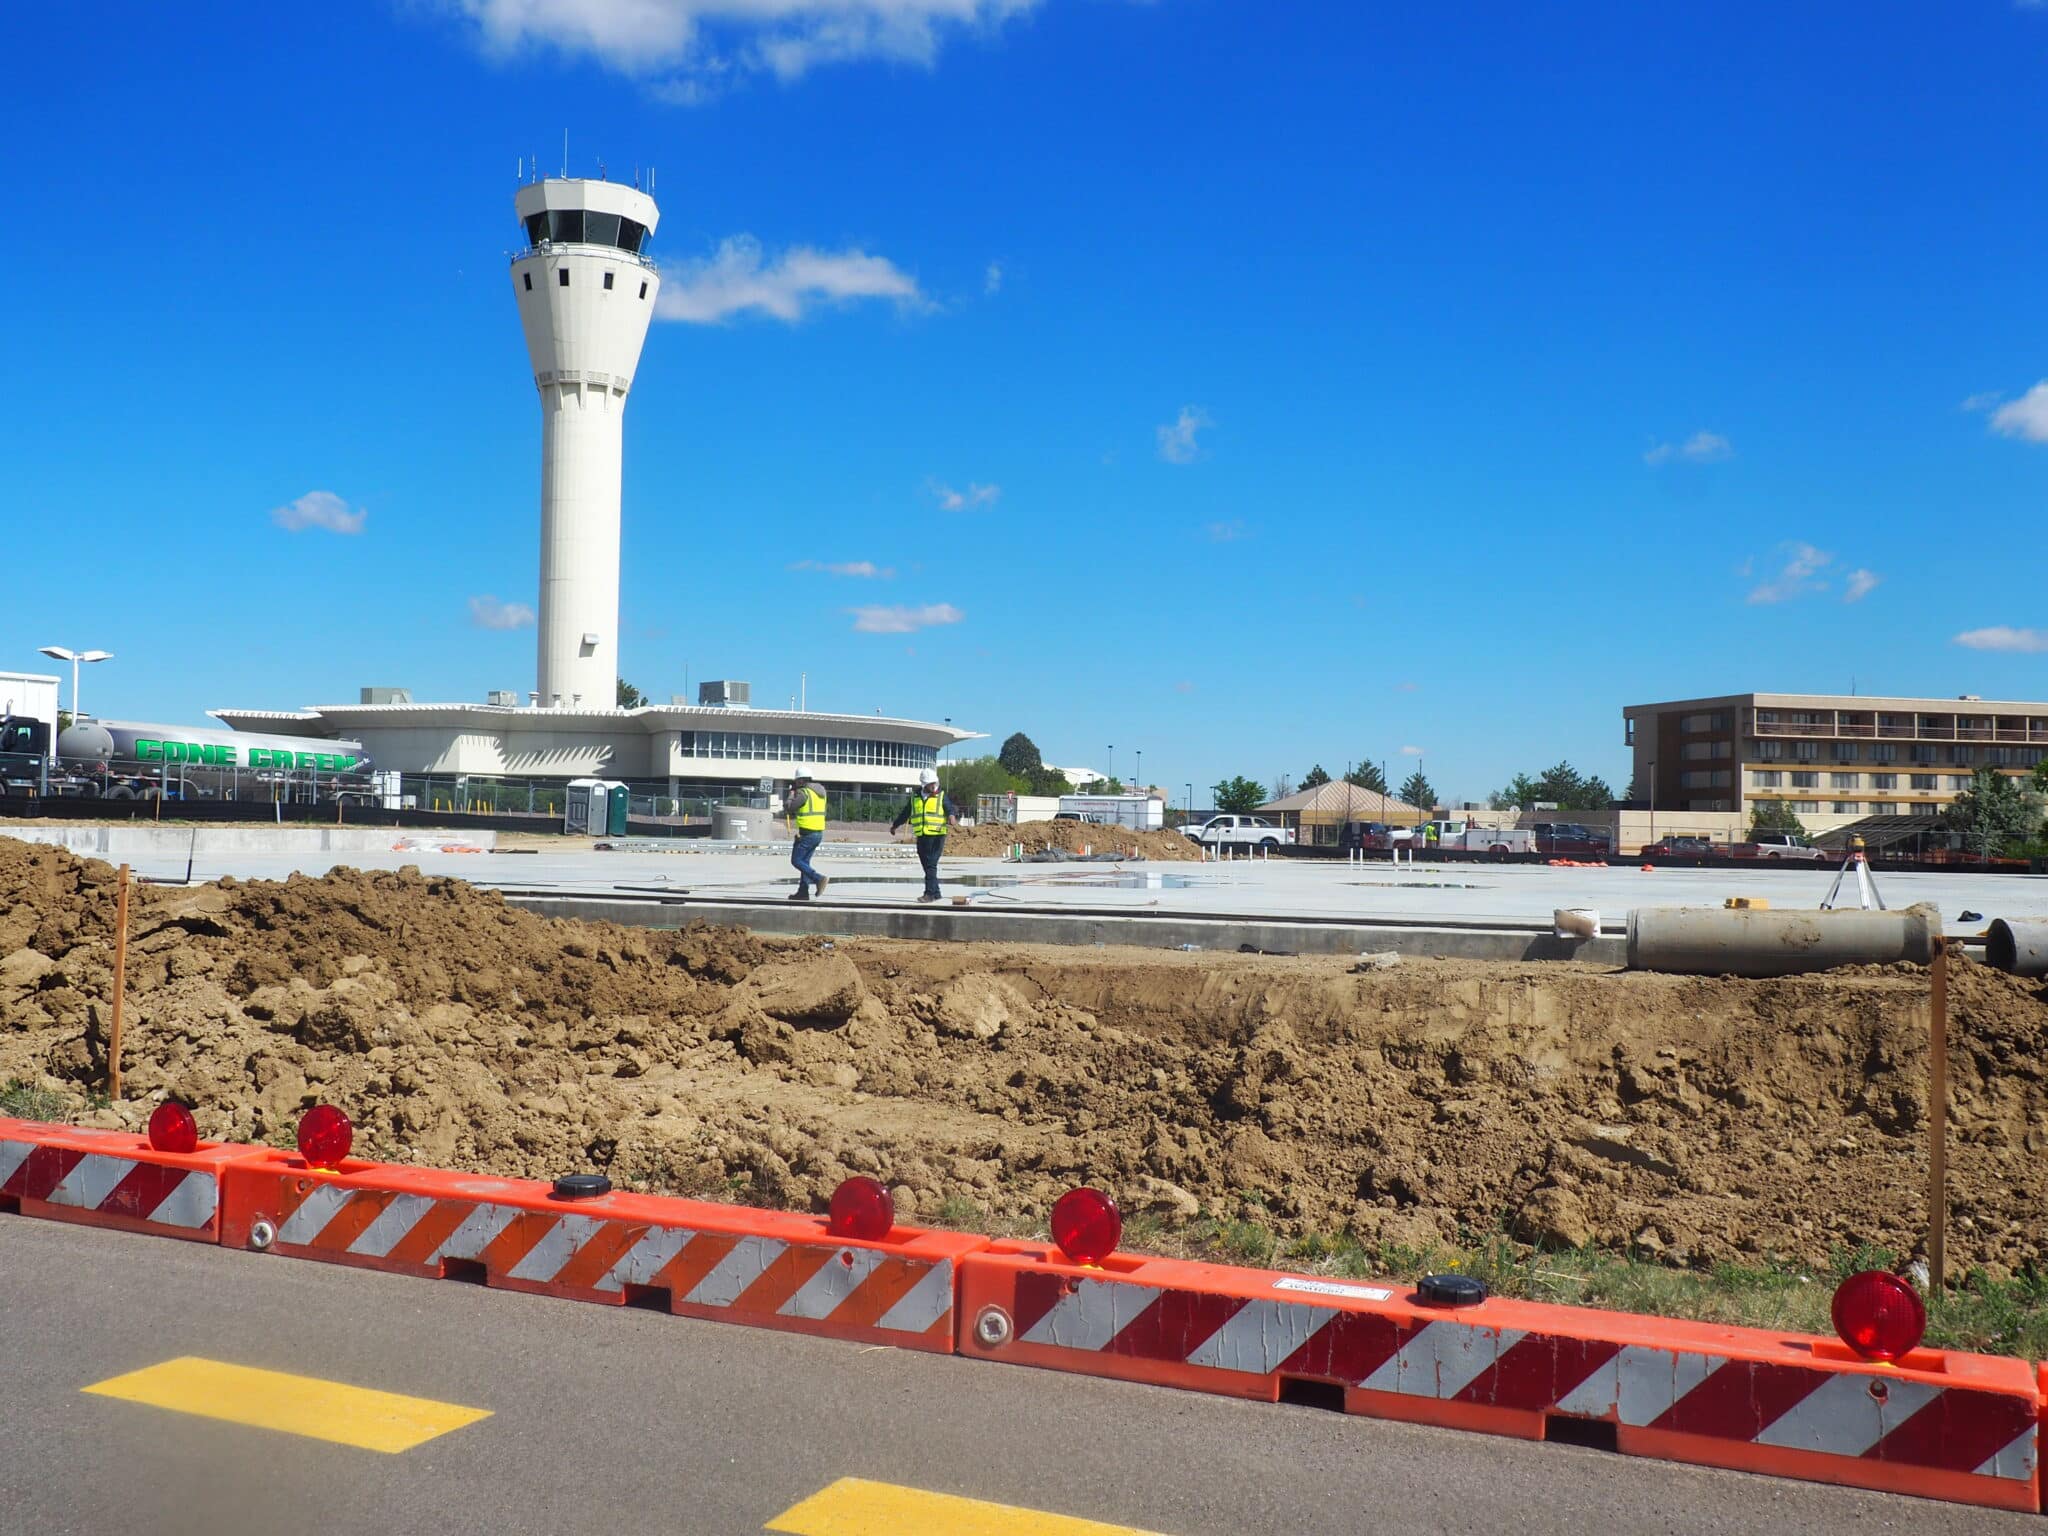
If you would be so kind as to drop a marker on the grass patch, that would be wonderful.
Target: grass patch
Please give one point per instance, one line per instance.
(25, 1101)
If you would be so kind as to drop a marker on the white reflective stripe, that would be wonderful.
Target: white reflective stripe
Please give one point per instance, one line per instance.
(647, 1258)
(12, 1155)
(91, 1179)
(2016, 1460)
(1442, 1360)
(191, 1204)
(1639, 1385)
(564, 1240)
(924, 1303)
(1841, 1418)
(313, 1214)
(479, 1229)
(396, 1219)
(835, 1280)
(1260, 1335)
(1091, 1315)
(747, 1262)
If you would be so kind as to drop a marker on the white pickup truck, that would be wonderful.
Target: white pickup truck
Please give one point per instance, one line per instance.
(1246, 832)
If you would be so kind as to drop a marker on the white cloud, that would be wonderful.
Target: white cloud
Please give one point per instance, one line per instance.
(1700, 448)
(739, 278)
(487, 612)
(1983, 400)
(1799, 574)
(1177, 444)
(319, 509)
(1411, 751)
(2025, 417)
(862, 568)
(974, 496)
(992, 279)
(2001, 637)
(1861, 584)
(902, 619)
(1225, 533)
(676, 43)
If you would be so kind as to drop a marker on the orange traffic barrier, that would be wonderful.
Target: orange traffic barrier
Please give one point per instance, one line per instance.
(725, 1263)
(112, 1179)
(1941, 1425)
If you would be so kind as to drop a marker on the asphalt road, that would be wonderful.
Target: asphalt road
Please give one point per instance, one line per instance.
(616, 1420)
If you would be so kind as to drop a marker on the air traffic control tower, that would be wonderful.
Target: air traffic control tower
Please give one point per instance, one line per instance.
(586, 291)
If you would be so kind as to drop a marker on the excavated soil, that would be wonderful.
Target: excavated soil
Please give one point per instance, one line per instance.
(1704, 1118)
(997, 838)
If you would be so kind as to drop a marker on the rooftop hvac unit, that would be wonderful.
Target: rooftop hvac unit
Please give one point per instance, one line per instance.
(503, 698)
(386, 696)
(730, 694)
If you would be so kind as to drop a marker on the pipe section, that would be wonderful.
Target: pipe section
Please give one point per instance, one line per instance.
(2018, 945)
(1716, 941)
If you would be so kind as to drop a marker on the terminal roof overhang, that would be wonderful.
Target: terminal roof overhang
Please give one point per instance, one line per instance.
(336, 719)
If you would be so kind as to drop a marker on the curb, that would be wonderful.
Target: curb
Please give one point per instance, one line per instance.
(1937, 1424)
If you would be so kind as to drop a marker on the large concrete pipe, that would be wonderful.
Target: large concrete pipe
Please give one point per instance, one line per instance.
(2018, 945)
(1716, 941)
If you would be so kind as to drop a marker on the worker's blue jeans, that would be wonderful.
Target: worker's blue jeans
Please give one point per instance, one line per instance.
(928, 850)
(800, 853)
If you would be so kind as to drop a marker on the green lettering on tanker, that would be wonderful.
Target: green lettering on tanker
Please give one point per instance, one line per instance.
(149, 749)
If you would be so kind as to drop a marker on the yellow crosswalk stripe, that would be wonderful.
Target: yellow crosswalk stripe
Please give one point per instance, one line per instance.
(297, 1405)
(853, 1506)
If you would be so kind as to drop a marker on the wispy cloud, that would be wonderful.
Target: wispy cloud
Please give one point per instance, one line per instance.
(739, 278)
(1983, 400)
(992, 278)
(2026, 417)
(685, 48)
(1178, 439)
(1798, 575)
(2001, 637)
(1411, 751)
(1861, 584)
(319, 509)
(1225, 533)
(487, 612)
(862, 568)
(902, 619)
(1700, 448)
(950, 500)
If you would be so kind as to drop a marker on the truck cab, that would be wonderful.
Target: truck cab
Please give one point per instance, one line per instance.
(24, 755)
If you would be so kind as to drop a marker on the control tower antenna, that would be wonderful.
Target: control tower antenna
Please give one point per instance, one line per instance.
(586, 290)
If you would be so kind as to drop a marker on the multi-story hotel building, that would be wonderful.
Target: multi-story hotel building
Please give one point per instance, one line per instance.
(1826, 755)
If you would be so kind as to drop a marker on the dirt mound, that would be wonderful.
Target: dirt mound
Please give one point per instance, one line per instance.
(995, 840)
(1703, 1118)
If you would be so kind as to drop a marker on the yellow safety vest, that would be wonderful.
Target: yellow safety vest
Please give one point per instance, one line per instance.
(928, 816)
(810, 816)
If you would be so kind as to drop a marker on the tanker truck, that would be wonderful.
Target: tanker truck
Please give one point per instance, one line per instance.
(131, 759)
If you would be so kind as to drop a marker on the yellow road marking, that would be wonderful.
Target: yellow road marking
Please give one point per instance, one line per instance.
(297, 1405)
(853, 1506)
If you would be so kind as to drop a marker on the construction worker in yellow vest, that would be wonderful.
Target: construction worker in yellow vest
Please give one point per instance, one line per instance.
(804, 809)
(930, 812)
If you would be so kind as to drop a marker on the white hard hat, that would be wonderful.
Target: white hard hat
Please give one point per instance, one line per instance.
(800, 772)
(928, 777)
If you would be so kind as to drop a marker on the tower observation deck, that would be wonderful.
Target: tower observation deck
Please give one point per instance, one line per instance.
(586, 290)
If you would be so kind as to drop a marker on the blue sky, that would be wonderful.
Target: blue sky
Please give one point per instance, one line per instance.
(1252, 385)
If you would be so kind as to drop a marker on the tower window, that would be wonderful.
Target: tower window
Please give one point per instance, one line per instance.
(643, 290)
(607, 282)
(529, 280)
(562, 274)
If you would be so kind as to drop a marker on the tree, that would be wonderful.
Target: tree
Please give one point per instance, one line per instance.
(1239, 796)
(1282, 787)
(1995, 813)
(1020, 756)
(1774, 816)
(1315, 778)
(1418, 792)
(1561, 785)
(966, 781)
(1367, 776)
(630, 697)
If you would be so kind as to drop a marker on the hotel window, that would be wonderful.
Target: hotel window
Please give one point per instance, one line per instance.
(1883, 808)
(1848, 808)
(1959, 781)
(1884, 781)
(1884, 752)
(1770, 751)
(1924, 781)
(1765, 778)
(1806, 781)
(1961, 754)
(1806, 751)
(1804, 807)
(1845, 781)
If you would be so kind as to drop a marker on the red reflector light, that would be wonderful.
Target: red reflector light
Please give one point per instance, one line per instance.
(861, 1208)
(1087, 1225)
(325, 1136)
(172, 1128)
(1879, 1315)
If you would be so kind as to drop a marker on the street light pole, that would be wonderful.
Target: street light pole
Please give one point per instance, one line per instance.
(1139, 775)
(1110, 772)
(64, 653)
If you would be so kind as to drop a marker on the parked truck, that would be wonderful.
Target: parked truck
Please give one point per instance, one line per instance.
(1241, 833)
(1777, 845)
(137, 760)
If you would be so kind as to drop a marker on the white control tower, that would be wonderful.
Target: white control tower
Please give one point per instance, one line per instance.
(586, 291)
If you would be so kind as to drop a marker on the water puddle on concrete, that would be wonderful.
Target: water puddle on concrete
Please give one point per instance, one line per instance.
(1089, 880)
(1419, 885)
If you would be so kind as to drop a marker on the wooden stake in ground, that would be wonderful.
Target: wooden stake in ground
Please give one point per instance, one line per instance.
(120, 984)
(1937, 1117)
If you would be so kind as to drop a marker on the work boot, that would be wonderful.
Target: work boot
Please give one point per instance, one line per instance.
(821, 885)
(801, 893)
(931, 896)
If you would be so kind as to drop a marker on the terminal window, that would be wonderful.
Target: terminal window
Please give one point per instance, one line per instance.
(607, 281)
(562, 273)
